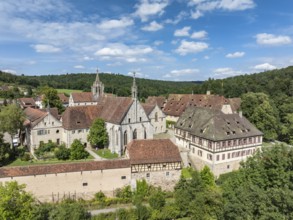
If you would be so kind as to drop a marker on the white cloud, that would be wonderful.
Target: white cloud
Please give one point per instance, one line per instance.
(191, 47)
(182, 32)
(274, 40)
(111, 24)
(153, 26)
(206, 57)
(236, 5)
(199, 35)
(45, 48)
(264, 66)
(182, 72)
(9, 71)
(202, 6)
(178, 18)
(79, 67)
(226, 71)
(235, 55)
(158, 43)
(87, 58)
(148, 8)
(124, 52)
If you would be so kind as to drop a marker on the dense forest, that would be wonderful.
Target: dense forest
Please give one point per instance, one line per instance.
(267, 97)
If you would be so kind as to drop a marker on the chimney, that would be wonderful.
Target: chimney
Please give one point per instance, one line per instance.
(208, 92)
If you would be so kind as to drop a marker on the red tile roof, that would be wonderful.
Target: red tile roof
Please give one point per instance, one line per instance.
(148, 108)
(111, 109)
(34, 116)
(82, 97)
(62, 168)
(159, 100)
(153, 151)
(177, 103)
(64, 99)
(27, 102)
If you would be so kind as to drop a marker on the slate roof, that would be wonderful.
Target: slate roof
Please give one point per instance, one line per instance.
(34, 116)
(215, 125)
(153, 151)
(148, 108)
(177, 103)
(159, 100)
(111, 109)
(82, 97)
(64, 99)
(62, 168)
(27, 102)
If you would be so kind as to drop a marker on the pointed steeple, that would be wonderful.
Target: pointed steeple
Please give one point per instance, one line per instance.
(134, 88)
(97, 88)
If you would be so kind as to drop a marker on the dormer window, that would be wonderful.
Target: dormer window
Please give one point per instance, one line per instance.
(78, 122)
(234, 132)
(228, 133)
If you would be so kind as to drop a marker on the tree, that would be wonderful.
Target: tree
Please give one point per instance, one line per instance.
(157, 199)
(77, 151)
(98, 135)
(62, 153)
(51, 97)
(258, 108)
(11, 120)
(15, 202)
(5, 151)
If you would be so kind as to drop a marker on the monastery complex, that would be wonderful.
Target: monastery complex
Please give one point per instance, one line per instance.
(209, 130)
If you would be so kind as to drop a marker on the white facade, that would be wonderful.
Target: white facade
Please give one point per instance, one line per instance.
(158, 120)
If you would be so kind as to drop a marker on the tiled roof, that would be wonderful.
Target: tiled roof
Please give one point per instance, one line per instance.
(64, 99)
(153, 151)
(34, 116)
(82, 97)
(27, 102)
(148, 108)
(111, 109)
(215, 125)
(62, 168)
(177, 103)
(159, 100)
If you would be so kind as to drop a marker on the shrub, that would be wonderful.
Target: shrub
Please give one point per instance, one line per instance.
(77, 151)
(124, 193)
(62, 153)
(26, 157)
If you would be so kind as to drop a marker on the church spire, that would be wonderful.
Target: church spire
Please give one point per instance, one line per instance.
(134, 88)
(97, 88)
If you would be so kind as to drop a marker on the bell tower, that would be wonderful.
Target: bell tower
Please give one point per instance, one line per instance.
(97, 88)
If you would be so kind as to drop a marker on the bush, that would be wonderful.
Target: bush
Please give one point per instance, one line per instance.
(45, 148)
(157, 200)
(62, 153)
(77, 151)
(124, 193)
(26, 157)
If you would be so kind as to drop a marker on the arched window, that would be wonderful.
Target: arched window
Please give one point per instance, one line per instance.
(125, 138)
(156, 116)
(145, 134)
(116, 137)
(134, 135)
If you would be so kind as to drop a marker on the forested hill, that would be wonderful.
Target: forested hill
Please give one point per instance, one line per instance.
(114, 83)
(274, 83)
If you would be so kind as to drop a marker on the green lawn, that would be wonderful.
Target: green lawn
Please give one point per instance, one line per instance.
(67, 91)
(106, 153)
(19, 162)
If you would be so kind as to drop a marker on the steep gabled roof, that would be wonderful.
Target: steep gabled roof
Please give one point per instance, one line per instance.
(215, 125)
(111, 109)
(34, 116)
(153, 151)
(177, 103)
(159, 100)
(62, 168)
(82, 97)
(148, 108)
(27, 102)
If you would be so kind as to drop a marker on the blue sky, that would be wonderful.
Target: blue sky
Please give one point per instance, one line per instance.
(179, 40)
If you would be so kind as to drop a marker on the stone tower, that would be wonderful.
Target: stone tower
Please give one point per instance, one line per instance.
(97, 88)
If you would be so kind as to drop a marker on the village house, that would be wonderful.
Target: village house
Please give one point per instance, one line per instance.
(156, 116)
(27, 102)
(64, 99)
(217, 140)
(157, 161)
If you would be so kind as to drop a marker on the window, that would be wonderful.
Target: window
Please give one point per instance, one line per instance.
(200, 141)
(149, 166)
(53, 123)
(148, 175)
(57, 132)
(228, 155)
(73, 132)
(223, 156)
(228, 166)
(140, 119)
(84, 184)
(42, 132)
(156, 116)
(218, 157)
(125, 137)
(123, 177)
(79, 131)
(210, 157)
(134, 136)
(128, 120)
(164, 165)
(167, 173)
(199, 153)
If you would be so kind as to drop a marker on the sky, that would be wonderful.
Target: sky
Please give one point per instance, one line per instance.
(177, 40)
